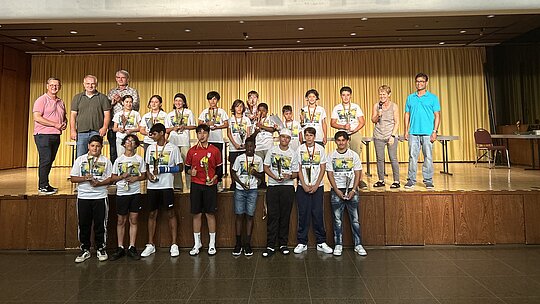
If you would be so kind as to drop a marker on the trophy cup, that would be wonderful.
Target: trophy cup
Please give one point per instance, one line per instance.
(92, 161)
(212, 115)
(242, 134)
(308, 171)
(348, 179)
(155, 162)
(124, 121)
(124, 184)
(302, 118)
(204, 163)
(279, 165)
(249, 167)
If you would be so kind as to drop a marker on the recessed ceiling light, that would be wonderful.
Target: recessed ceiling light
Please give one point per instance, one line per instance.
(298, 41)
(353, 34)
(364, 18)
(490, 16)
(73, 32)
(187, 30)
(156, 48)
(300, 28)
(417, 25)
(118, 23)
(140, 38)
(344, 45)
(99, 44)
(442, 42)
(33, 39)
(198, 42)
(241, 21)
(250, 47)
(462, 31)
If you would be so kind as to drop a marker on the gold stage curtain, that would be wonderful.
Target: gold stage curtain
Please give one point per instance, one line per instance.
(283, 77)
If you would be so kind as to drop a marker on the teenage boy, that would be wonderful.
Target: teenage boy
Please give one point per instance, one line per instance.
(205, 165)
(344, 173)
(349, 117)
(246, 171)
(217, 119)
(293, 126)
(264, 130)
(309, 193)
(160, 157)
(252, 105)
(92, 172)
(281, 165)
(128, 171)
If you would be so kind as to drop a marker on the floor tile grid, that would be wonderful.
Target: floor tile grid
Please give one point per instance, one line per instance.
(352, 254)
(256, 253)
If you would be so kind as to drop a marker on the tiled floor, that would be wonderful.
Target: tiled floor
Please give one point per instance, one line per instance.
(495, 274)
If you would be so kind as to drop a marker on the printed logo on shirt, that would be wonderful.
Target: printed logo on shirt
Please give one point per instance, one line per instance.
(178, 120)
(216, 117)
(150, 121)
(283, 159)
(95, 169)
(316, 118)
(347, 115)
(316, 158)
(162, 158)
(344, 164)
(238, 127)
(132, 168)
(244, 167)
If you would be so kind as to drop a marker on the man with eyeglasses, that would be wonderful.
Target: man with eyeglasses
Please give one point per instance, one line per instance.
(422, 111)
(49, 121)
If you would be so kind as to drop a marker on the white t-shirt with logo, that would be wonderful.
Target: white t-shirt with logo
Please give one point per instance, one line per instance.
(287, 160)
(265, 139)
(100, 168)
(295, 128)
(133, 118)
(149, 119)
(239, 127)
(315, 118)
(241, 165)
(311, 158)
(349, 114)
(343, 165)
(182, 117)
(219, 116)
(168, 155)
(134, 165)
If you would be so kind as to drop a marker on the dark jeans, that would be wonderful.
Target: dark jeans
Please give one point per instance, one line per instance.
(88, 211)
(111, 138)
(279, 200)
(47, 146)
(310, 209)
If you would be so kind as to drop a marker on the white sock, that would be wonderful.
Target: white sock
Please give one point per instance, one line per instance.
(197, 238)
(212, 243)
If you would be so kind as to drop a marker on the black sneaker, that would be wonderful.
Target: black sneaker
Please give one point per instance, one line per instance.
(378, 184)
(363, 185)
(132, 253)
(46, 190)
(237, 250)
(284, 250)
(268, 252)
(247, 250)
(120, 252)
(52, 188)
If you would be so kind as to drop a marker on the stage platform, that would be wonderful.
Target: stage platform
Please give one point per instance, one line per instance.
(475, 205)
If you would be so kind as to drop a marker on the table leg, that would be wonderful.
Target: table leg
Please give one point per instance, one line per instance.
(445, 157)
(532, 156)
(368, 172)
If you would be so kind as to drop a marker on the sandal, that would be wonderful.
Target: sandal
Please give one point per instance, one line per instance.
(378, 184)
(395, 185)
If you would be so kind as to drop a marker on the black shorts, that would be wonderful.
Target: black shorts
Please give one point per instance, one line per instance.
(128, 203)
(203, 198)
(160, 197)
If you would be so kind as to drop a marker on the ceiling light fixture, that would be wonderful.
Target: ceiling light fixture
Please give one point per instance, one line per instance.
(364, 18)
(442, 42)
(241, 21)
(462, 31)
(300, 28)
(118, 23)
(99, 44)
(353, 34)
(140, 38)
(344, 45)
(250, 47)
(187, 30)
(156, 48)
(298, 41)
(490, 16)
(34, 39)
(73, 32)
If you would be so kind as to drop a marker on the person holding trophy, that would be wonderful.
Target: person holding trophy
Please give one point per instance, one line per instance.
(246, 171)
(125, 122)
(239, 130)
(309, 193)
(205, 165)
(162, 160)
(155, 116)
(344, 172)
(264, 132)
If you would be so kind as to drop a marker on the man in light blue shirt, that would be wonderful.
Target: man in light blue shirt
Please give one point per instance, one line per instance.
(422, 111)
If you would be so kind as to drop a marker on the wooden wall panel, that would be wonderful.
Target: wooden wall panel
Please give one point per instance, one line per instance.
(508, 219)
(438, 219)
(46, 223)
(8, 116)
(404, 220)
(13, 214)
(473, 215)
(531, 208)
(72, 238)
(372, 220)
(258, 239)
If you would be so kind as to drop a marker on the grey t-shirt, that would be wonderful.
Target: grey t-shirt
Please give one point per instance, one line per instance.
(90, 111)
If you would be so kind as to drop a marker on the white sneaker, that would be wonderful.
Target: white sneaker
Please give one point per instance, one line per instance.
(300, 248)
(83, 256)
(360, 250)
(323, 247)
(195, 250)
(102, 255)
(212, 251)
(149, 250)
(174, 250)
(338, 250)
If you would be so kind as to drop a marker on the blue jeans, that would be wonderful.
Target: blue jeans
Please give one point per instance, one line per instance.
(82, 141)
(310, 209)
(245, 201)
(415, 142)
(338, 205)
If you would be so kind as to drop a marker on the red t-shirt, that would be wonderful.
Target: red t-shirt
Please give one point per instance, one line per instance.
(194, 159)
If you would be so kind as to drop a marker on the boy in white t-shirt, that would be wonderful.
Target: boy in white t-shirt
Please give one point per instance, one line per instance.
(92, 172)
(344, 172)
(246, 171)
(293, 126)
(264, 131)
(128, 171)
(314, 116)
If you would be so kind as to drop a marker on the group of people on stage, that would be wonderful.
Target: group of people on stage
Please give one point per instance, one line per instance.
(300, 156)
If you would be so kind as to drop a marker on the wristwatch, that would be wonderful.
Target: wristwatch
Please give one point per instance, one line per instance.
(435, 131)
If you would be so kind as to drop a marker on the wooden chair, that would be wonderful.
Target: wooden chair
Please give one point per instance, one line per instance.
(484, 145)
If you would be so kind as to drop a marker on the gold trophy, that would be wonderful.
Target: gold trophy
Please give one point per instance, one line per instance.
(308, 171)
(92, 162)
(279, 165)
(249, 167)
(348, 179)
(155, 162)
(124, 184)
(204, 163)
(242, 134)
(124, 121)
(302, 118)
(212, 115)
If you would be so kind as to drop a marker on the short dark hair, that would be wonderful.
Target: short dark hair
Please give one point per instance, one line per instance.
(133, 137)
(126, 97)
(310, 130)
(202, 127)
(237, 103)
(159, 127)
(263, 105)
(345, 89)
(286, 108)
(341, 134)
(213, 94)
(96, 138)
(181, 95)
(250, 139)
(314, 92)
(253, 92)
(421, 75)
